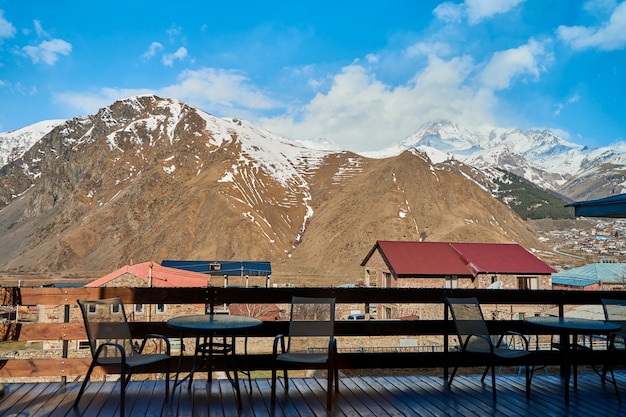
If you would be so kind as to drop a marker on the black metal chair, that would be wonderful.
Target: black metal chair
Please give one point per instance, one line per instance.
(615, 311)
(112, 346)
(310, 345)
(474, 339)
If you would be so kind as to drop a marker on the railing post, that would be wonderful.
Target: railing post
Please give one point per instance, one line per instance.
(445, 342)
(66, 319)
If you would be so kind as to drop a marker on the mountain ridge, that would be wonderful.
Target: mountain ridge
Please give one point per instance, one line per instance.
(152, 178)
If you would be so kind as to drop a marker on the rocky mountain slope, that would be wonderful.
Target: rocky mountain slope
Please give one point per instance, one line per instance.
(151, 178)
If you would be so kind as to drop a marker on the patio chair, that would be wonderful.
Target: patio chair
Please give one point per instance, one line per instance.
(112, 346)
(474, 339)
(615, 311)
(310, 344)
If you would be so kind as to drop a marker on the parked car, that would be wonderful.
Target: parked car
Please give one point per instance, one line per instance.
(357, 316)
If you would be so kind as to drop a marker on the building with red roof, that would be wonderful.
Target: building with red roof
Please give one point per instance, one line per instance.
(151, 274)
(404, 264)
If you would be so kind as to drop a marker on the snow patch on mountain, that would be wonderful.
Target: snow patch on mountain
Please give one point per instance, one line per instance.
(15, 143)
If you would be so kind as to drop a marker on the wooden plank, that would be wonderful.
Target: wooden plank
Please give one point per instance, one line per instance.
(218, 295)
(58, 400)
(374, 402)
(388, 396)
(70, 367)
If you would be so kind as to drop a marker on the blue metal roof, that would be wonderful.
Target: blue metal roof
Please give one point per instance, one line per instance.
(573, 282)
(231, 268)
(598, 272)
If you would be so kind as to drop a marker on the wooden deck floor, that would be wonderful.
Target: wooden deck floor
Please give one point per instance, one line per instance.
(359, 396)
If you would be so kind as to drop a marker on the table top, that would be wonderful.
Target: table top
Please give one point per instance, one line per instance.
(573, 324)
(213, 322)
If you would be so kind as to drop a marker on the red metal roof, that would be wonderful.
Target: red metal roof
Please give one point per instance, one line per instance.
(406, 258)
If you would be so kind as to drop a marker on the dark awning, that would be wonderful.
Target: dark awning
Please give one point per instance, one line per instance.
(614, 206)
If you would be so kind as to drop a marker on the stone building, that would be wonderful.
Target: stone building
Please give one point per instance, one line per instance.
(410, 264)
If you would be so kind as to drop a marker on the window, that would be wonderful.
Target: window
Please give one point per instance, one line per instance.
(452, 281)
(215, 267)
(116, 309)
(527, 283)
(138, 308)
(91, 309)
(160, 308)
(83, 344)
(387, 280)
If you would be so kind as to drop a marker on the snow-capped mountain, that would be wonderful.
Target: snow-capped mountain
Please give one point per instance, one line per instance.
(153, 178)
(539, 156)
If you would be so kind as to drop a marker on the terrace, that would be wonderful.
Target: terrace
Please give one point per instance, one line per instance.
(370, 383)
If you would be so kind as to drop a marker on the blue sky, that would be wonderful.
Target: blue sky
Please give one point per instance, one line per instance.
(363, 75)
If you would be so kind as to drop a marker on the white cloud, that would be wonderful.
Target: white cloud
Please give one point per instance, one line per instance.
(560, 106)
(608, 37)
(89, 103)
(361, 113)
(221, 92)
(449, 12)
(180, 54)
(48, 51)
(428, 48)
(218, 89)
(530, 59)
(600, 7)
(7, 30)
(479, 10)
(153, 49)
(39, 29)
(475, 10)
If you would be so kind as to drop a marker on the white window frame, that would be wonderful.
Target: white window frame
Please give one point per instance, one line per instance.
(452, 281)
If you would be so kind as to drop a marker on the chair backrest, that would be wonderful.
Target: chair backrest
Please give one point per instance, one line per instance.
(105, 322)
(468, 319)
(615, 311)
(311, 324)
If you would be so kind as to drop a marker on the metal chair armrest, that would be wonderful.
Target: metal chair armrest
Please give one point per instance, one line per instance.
(515, 335)
(115, 345)
(155, 336)
(278, 339)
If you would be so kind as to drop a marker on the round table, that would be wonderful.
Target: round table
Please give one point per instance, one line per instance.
(205, 327)
(571, 326)
(213, 323)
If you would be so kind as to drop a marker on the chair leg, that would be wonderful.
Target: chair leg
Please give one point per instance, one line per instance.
(167, 381)
(83, 385)
(452, 376)
(286, 378)
(273, 396)
(529, 377)
(485, 373)
(329, 390)
(123, 382)
(456, 367)
(614, 381)
(493, 381)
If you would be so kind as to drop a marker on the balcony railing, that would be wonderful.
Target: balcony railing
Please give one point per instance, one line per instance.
(68, 331)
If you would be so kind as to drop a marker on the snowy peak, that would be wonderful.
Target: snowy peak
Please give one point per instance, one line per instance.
(538, 155)
(444, 136)
(15, 143)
